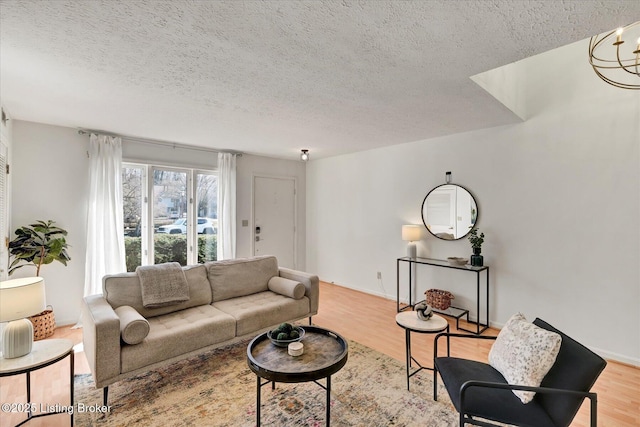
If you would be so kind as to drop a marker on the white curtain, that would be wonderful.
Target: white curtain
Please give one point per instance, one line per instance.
(226, 206)
(105, 227)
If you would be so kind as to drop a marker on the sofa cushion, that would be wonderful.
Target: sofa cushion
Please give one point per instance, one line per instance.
(258, 311)
(133, 327)
(178, 333)
(124, 289)
(240, 277)
(286, 287)
(523, 353)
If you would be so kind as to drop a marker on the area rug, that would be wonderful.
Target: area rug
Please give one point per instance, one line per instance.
(218, 389)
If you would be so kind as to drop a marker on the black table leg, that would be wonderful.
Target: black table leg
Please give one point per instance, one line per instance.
(258, 401)
(398, 285)
(29, 414)
(407, 341)
(448, 343)
(328, 401)
(71, 384)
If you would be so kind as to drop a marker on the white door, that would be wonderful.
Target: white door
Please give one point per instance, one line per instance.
(274, 206)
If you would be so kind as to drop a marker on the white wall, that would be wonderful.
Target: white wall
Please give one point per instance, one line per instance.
(50, 181)
(559, 202)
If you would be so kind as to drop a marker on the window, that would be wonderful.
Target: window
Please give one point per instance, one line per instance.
(170, 215)
(133, 186)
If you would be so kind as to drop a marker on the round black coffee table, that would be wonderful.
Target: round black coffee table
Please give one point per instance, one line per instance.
(325, 353)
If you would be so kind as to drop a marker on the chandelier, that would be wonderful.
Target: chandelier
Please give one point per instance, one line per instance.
(615, 56)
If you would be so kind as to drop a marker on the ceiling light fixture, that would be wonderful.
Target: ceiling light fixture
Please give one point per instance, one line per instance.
(304, 156)
(613, 61)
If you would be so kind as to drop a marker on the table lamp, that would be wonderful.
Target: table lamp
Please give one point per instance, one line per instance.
(20, 298)
(411, 233)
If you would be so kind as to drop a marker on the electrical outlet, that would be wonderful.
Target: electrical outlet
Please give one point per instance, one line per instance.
(379, 275)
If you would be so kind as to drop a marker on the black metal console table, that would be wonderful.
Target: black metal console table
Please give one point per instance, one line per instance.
(455, 312)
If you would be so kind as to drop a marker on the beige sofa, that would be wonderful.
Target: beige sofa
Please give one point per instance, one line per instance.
(227, 301)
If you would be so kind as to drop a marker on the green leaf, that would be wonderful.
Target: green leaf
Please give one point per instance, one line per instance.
(11, 270)
(38, 240)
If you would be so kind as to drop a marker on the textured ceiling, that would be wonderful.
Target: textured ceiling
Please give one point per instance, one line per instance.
(273, 77)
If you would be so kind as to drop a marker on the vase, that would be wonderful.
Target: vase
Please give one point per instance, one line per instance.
(476, 258)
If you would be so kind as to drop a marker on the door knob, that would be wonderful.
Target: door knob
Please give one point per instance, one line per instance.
(257, 238)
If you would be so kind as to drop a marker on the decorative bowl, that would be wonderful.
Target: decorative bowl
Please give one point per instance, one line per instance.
(457, 260)
(285, 343)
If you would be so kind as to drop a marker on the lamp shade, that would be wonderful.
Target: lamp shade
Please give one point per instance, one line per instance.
(20, 298)
(411, 233)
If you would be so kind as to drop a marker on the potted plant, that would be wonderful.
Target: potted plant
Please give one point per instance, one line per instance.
(37, 244)
(476, 244)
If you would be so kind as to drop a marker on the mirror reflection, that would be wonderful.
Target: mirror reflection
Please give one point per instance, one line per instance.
(449, 212)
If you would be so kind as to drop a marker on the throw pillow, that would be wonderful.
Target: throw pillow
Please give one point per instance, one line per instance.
(286, 287)
(523, 353)
(133, 327)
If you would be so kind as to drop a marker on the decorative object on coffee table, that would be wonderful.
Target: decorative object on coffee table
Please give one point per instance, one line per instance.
(295, 349)
(476, 245)
(286, 334)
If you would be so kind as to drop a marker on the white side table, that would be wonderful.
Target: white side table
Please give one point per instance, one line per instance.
(43, 353)
(409, 321)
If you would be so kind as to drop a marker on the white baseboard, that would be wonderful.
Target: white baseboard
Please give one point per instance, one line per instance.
(364, 291)
(616, 357)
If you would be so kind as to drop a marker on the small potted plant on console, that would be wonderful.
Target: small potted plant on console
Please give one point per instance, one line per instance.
(476, 244)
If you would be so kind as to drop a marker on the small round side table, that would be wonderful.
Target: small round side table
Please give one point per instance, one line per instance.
(409, 321)
(44, 353)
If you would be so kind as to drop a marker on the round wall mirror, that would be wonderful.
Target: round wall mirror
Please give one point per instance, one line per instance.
(449, 212)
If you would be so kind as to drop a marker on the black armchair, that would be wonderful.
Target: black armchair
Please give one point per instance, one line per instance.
(477, 390)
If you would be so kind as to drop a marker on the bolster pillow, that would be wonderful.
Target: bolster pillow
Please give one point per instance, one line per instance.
(286, 287)
(133, 327)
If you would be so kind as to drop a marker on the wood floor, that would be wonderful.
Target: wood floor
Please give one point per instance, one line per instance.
(364, 318)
